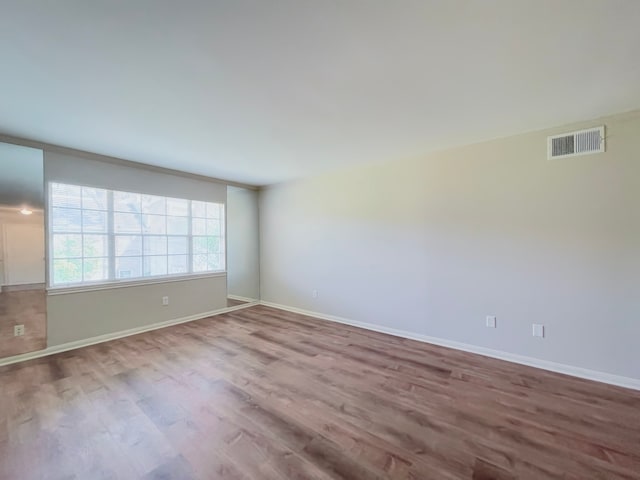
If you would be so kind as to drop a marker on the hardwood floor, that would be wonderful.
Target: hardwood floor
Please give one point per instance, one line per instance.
(264, 394)
(22, 307)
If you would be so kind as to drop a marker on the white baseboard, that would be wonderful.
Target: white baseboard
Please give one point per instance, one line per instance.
(594, 375)
(242, 299)
(112, 336)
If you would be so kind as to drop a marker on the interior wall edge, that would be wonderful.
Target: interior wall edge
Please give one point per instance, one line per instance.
(574, 371)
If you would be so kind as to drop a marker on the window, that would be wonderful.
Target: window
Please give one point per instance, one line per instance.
(100, 236)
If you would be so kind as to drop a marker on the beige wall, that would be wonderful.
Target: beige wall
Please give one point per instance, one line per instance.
(81, 315)
(433, 245)
(243, 249)
(77, 316)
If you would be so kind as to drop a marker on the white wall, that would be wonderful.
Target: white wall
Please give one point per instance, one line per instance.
(23, 254)
(433, 245)
(80, 315)
(35, 270)
(243, 250)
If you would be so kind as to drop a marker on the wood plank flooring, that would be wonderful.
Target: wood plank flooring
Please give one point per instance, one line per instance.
(264, 394)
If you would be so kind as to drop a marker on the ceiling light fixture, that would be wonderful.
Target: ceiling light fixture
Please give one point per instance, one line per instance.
(26, 211)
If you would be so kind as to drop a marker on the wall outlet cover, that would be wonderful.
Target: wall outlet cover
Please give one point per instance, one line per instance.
(491, 321)
(538, 330)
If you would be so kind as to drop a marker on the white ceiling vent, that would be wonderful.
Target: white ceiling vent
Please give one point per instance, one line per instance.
(582, 142)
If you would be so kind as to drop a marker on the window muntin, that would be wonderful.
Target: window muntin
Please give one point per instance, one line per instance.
(102, 236)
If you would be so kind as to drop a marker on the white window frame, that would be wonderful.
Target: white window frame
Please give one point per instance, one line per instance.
(112, 281)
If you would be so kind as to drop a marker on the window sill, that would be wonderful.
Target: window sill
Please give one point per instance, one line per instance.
(130, 283)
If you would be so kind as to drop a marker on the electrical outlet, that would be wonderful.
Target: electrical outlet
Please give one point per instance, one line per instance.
(538, 330)
(165, 301)
(491, 321)
(314, 293)
(18, 330)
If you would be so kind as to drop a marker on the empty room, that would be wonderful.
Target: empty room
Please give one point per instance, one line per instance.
(320, 239)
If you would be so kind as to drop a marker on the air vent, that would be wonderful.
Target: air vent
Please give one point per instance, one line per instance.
(582, 142)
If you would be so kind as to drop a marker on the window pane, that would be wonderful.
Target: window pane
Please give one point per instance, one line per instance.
(156, 265)
(206, 245)
(128, 267)
(177, 225)
(213, 244)
(178, 245)
(67, 271)
(213, 210)
(66, 246)
(155, 245)
(126, 202)
(128, 245)
(153, 204)
(177, 207)
(96, 269)
(127, 223)
(156, 224)
(199, 245)
(198, 209)
(94, 198)
(94, 221)
(151, 235)
(95, 246)
(66, 220)
(178, 264)
(215, 262)
(213, 227)
(200, 263)
(65, 195)
(199, 226)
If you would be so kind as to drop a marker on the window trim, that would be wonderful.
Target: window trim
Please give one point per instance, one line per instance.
(88, 286)
(110, 285)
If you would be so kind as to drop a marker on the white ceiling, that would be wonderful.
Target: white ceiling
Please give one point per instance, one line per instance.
(261, 91)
